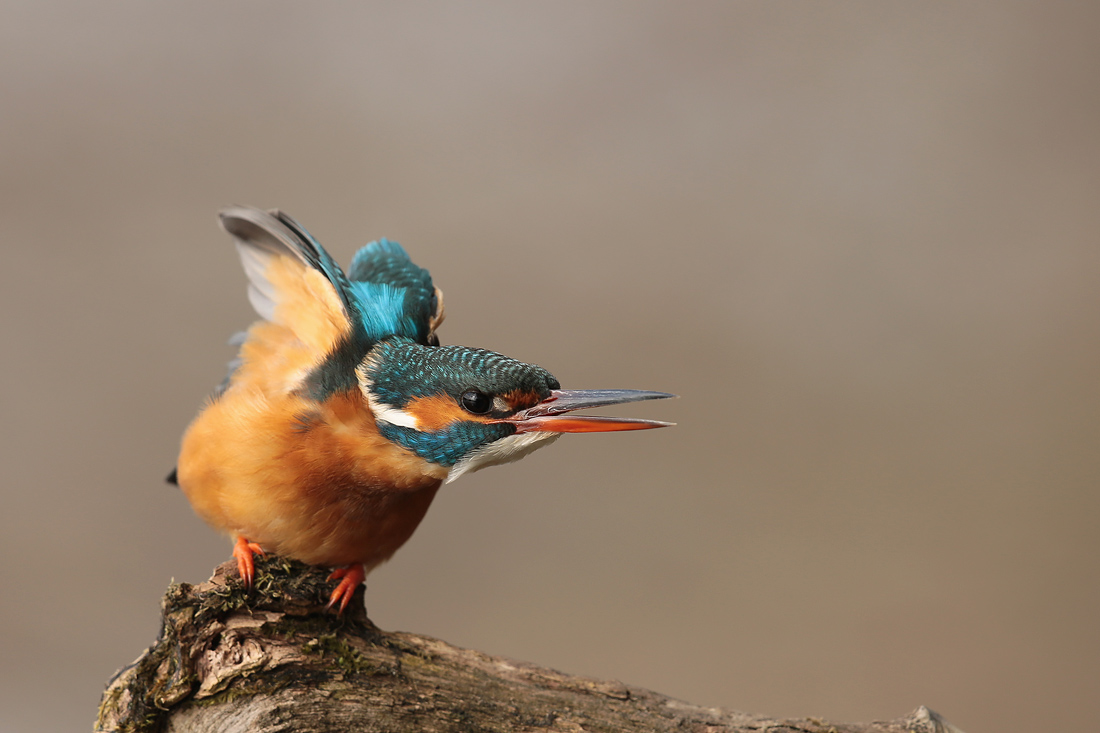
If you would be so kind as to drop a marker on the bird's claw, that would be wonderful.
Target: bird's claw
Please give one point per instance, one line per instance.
(350, 576)
(243, 551)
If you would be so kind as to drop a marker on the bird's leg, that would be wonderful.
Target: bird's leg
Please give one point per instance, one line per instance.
(350, 577)
(243, 551)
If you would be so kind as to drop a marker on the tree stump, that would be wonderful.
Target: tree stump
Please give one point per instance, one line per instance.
(274, 659)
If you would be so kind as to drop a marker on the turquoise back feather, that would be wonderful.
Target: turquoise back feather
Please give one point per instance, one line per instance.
(394, 296)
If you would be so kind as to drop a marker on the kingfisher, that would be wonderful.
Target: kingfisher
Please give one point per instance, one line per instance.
(342, 414)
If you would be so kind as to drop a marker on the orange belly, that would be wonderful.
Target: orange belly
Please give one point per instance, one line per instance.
(316, 483)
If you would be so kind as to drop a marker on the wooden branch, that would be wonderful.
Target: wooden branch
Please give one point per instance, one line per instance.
(276, 660)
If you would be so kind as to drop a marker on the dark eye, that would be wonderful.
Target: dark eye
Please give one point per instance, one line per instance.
(476, 401)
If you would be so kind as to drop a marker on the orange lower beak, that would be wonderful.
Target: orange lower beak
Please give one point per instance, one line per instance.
(547, 416)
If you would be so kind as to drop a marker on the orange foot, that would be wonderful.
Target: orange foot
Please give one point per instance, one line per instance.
(243, 551)
(352, 576)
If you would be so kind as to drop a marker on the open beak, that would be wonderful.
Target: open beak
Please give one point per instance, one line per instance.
(549, 415)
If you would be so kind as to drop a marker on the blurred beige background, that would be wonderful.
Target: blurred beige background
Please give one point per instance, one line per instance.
(859, 239)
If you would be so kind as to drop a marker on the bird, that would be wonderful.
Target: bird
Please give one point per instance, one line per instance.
(342, 414)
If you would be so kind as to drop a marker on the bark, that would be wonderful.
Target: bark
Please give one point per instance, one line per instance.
(276, 660)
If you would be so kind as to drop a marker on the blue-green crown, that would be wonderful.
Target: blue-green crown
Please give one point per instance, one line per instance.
(400, 370)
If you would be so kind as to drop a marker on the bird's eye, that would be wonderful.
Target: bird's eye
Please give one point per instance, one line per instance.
(476, 401)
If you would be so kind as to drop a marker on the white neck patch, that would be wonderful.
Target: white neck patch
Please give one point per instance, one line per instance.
(382, 411)
(392, 415)
(505, 450)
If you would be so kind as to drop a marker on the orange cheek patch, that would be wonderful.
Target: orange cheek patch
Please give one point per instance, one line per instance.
(436, 413)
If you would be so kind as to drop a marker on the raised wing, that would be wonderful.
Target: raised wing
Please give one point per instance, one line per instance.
(315, 337)
(262, 237)
(322, 323)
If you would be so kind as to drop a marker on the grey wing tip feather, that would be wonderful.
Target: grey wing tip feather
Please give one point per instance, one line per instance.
(264, 230)
(247, 223)
(228, 213)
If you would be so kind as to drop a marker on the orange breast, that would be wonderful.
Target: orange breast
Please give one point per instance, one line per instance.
(314, 483)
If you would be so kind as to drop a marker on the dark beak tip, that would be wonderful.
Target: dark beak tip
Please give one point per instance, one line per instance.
(565, 400)
(554, 410)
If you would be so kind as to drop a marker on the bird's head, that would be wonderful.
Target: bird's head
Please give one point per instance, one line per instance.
(465, 409)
